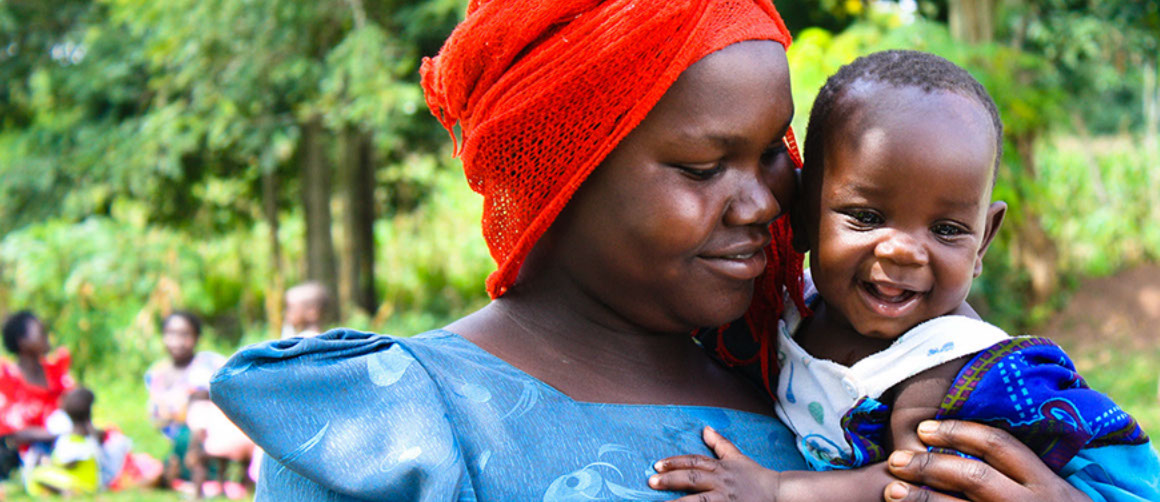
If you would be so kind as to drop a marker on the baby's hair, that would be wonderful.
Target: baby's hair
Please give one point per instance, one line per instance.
(16, 328)
(899, 68)
(189, 317)
(78, 405)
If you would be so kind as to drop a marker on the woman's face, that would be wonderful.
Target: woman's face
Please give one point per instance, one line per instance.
(668, 231)
(35, 341)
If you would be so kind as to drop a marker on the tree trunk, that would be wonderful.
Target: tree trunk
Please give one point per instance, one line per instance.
(320, 260)
(277, 285)
(1031, 245)
(972, 21)
(359, 178)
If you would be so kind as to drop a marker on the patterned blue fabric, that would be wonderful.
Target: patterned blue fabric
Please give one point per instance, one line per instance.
(1028, 386)
(1025, 385)
(351, 415)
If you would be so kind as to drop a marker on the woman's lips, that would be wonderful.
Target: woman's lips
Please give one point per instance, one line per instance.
(739, 266)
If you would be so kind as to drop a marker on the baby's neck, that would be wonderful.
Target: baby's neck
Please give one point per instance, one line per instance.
(825, 337)
(84, 429)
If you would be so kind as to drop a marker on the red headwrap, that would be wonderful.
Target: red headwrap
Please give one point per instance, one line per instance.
(543, 90)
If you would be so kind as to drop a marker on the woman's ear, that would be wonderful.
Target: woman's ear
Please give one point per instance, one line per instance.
(995, 215)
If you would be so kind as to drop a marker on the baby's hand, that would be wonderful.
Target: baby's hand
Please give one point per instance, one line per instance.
(730, 476)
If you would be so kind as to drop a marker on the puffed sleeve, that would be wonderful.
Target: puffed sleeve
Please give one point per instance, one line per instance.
(353, 414)
(1116, 473)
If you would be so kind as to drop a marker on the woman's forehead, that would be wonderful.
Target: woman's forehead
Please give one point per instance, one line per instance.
(726, 96)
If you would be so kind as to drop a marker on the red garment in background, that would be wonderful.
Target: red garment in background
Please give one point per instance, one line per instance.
(24, 405)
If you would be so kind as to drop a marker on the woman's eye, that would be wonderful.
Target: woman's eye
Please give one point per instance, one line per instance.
(771, 154)
(702, 172)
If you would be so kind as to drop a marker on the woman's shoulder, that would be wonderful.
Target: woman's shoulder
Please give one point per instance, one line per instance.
(318, 405)
(340, 350)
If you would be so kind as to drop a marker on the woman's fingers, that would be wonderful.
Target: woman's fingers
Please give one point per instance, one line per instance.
(995, 446)
(975, 479)
(686, 462)
(905, 492)
(721, 447)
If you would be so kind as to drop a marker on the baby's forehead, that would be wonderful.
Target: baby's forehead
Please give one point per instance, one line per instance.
(871, 100)
(907, 125)
(871, 110)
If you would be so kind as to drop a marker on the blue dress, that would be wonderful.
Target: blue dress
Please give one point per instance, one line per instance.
(351, 415)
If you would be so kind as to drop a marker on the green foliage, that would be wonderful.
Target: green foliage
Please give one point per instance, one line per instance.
(1103, 200)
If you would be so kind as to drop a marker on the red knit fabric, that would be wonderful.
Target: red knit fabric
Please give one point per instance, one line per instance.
(543, 90)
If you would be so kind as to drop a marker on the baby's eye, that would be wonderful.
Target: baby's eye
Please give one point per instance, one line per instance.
(866, 218)
(948, 230)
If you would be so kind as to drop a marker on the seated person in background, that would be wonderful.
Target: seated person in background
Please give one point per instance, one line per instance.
(73, 468)
(30, 388)
(172, 381)
(307, 307)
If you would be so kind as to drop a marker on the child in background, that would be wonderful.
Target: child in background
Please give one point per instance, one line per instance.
(171, 382)
(896, 213)
(73, 466)
(306, 310)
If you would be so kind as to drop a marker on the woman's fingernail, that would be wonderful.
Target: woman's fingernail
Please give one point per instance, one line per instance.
(900, 458)
(658, 466)
(897, 491)
(928, 427)
(653, 481)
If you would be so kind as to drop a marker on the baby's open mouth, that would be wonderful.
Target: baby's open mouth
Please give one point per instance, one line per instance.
(889, 294)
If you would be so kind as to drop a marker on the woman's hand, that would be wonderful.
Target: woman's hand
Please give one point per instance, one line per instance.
(1009, 471)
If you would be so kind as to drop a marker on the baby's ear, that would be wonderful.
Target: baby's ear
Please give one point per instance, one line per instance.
(995, 214)
(797, 217)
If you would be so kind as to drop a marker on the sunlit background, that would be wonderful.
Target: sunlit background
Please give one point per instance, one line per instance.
(208, 154)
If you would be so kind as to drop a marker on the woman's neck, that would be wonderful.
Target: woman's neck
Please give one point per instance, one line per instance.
(590, 353)
(32, 370)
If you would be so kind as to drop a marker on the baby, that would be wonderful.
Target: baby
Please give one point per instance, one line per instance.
(72, 469)
(896, 214)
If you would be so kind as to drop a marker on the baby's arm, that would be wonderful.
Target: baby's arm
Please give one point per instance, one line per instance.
(733, 476)
(916, 399)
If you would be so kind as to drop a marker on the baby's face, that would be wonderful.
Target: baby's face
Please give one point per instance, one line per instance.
(903, 215)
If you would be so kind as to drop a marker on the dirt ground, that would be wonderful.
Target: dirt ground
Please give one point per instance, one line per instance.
(1120, 311)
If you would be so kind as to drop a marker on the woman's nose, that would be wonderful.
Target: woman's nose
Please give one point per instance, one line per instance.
(757, 199)
(754, 204)
(901, 248)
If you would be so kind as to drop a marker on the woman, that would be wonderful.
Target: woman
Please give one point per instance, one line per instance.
(581, 372)
(30, 388)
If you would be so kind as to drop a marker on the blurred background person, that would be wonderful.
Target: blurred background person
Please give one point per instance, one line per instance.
(31, 387)
(172, 382)
(307, 308)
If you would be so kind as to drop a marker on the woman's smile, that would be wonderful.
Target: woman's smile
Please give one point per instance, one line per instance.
(743, 266)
